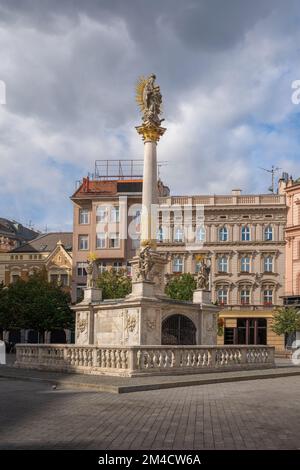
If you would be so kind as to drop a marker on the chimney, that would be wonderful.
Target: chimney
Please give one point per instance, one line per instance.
(236, 192)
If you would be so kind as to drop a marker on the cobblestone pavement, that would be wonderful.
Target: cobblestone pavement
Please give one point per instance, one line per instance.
(259, 414)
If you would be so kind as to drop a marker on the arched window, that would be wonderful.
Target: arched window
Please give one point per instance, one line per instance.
(178, 234)
(245, 264)
(177, 264)
(200, 234)
(268, 233)
(223, 264)
(223, 234)
(245, 233)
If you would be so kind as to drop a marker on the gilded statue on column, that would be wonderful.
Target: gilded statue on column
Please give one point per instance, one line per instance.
(149, 98)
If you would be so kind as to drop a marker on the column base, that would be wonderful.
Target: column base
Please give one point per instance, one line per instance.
(201, 296)
(92, 294)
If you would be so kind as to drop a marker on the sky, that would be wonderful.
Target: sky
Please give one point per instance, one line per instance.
(70, 68)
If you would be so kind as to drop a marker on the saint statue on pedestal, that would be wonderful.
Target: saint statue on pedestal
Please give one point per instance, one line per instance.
(202, 278)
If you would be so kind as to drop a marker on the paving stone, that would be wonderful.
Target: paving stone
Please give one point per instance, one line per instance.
(256, 414)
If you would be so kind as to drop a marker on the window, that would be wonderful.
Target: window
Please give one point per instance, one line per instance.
(115, 214)
(223, 264)
(178, 234)
(223, 234)
(83, 242)
(245, 233)
(81, 269)
(160, 234)
(101, 214)
(114, 240)
(83, 216)
(117, 265)
(129, 269)
(222, 295)
(15, 278)
(245, 296)
(64, 280)
(268, 233)
(200, 234)
(245, 264)
(268, 296)
(80, 291)
(102, 267)
(177, 265)
(198, 266)
(100, 240)
(54, 278)
(268, 264)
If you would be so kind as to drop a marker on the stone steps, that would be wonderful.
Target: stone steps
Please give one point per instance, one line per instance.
(137, 384)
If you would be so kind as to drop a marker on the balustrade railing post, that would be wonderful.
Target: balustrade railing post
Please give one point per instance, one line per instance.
(132, 359)
(244, 359)
(271, 353)
(40, 355)
(213, 353)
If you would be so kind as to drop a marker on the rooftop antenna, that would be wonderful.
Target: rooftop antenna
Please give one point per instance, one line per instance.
(272, 171)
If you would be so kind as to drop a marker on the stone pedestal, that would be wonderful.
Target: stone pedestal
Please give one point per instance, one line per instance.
(92, 295)
(143, 289)
(201, 296)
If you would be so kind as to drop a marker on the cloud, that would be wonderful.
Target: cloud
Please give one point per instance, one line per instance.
(70, 69)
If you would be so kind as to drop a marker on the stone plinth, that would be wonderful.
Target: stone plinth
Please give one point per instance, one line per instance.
(201, 296)
(92, 295)
(141, 290)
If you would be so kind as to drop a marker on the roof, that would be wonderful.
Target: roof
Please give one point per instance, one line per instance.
(16, 231)
(46, 242)
(107, 187)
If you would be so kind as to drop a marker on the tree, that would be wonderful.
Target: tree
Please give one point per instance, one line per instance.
(35, 304)
(181, 287)
(114, 284)
(286, 320)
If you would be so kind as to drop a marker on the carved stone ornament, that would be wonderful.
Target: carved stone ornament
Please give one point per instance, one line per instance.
(202, 278)
(144, 265)
(130, 323)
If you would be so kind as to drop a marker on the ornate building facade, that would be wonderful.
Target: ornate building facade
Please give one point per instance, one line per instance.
(244, 238)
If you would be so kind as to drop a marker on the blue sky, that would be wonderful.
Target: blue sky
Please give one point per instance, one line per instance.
(70, 70)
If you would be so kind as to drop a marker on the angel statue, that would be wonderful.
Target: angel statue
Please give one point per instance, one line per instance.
(202, 278)
(149, 98)
(91, 271)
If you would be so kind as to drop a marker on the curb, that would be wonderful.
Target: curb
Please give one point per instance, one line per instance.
(118, 389)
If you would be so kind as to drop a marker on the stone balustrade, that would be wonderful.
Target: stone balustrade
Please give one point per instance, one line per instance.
(142, 360)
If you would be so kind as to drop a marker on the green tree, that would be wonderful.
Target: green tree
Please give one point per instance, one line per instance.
(286, 320)
(181, 287)
(114, 284)
(35, 304)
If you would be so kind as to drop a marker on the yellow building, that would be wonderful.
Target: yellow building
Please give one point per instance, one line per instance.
(51, 252)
